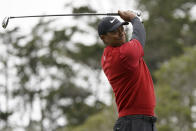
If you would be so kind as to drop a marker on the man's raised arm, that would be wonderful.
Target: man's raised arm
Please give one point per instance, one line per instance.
(139, 32)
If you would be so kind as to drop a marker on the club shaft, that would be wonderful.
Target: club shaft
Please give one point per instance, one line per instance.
(75, 14)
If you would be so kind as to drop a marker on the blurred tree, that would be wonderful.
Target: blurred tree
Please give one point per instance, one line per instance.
(103, 121)
(6, 71)
(89, 55)
(45, 75)
(169, 29)
(176, 93)
(46, 61)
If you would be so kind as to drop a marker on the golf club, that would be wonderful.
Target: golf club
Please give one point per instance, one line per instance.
(6, 19)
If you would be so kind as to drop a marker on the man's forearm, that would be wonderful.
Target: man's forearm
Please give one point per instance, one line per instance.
(139, 32)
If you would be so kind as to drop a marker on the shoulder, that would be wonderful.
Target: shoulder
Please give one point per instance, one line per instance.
(131, 43)
(133, 47)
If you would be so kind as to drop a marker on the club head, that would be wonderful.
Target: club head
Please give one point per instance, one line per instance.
(5, 22)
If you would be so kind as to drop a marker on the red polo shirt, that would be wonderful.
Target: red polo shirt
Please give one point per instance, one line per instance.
(130, 78)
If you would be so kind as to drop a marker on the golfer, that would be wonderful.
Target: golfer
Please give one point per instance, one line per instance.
(123, 64)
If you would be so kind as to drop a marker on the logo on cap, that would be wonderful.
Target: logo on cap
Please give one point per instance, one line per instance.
(111, 21)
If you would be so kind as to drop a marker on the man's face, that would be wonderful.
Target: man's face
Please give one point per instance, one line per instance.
(114, 38)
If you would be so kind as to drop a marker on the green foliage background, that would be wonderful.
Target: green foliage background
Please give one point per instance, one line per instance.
(47, 64)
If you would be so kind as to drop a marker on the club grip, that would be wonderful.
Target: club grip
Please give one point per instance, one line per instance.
(112, 14)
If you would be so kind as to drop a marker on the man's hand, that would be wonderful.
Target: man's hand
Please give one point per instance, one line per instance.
(127, 15)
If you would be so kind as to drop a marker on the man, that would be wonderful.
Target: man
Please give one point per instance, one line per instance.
(127, 73)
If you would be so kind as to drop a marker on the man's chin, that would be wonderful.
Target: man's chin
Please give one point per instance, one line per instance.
(117, 44)
(122, 42)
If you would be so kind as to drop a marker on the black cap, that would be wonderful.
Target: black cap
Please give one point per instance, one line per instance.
(109, 24)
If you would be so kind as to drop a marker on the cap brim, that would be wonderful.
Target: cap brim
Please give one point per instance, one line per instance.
(117, 25)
